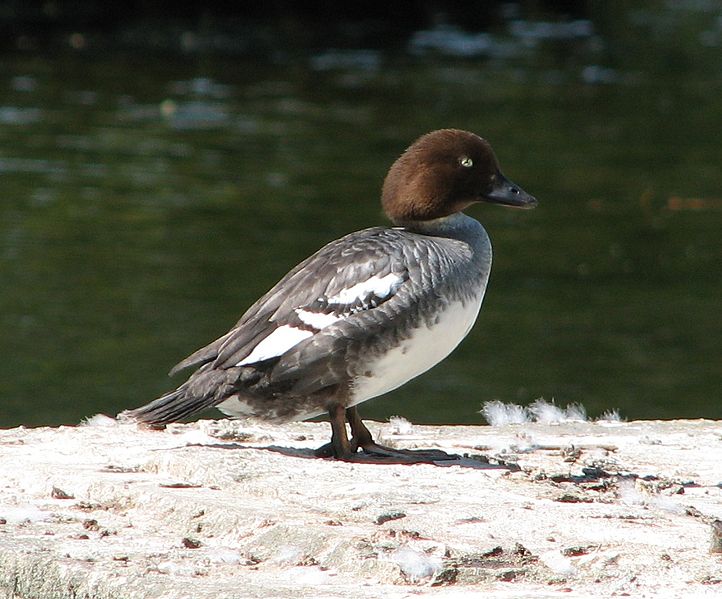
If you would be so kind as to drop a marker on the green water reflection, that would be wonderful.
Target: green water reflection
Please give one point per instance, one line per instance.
(146, 203)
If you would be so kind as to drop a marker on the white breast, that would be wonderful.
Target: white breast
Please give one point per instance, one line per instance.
(426, 347)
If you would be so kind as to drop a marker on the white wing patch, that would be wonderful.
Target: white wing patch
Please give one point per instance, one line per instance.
(286, 336)
(276, 344)
(317, 320)
(381, 287)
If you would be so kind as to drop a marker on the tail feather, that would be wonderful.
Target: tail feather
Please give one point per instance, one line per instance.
(205, 389)
(171, 407)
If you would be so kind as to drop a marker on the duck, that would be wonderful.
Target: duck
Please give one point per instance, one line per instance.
(366, 313)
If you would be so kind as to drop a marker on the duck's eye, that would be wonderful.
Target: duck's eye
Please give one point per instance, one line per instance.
(466, 161)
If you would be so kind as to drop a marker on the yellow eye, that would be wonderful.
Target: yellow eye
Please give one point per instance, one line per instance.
(466, 161)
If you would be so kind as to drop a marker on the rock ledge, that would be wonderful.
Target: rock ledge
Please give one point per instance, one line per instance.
(221, 509)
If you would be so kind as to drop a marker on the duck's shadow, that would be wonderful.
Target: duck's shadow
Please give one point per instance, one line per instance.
(475, 461)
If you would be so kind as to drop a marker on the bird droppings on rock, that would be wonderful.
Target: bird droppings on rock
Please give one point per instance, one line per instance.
(415, 565)
(276, 525)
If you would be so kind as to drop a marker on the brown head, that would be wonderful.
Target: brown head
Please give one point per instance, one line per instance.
(444, 172)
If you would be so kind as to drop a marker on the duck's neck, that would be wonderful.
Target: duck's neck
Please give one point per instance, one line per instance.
(446, 226)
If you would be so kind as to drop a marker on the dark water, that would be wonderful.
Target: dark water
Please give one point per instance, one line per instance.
(148, 199)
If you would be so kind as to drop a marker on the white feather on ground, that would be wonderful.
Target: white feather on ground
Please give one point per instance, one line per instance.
(498, 413)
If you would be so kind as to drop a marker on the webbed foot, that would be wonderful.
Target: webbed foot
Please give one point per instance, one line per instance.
(361, 448)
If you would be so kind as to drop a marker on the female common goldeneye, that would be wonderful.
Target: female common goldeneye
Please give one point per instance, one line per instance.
(364, 314)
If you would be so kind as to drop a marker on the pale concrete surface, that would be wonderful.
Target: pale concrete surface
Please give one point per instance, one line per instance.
(221, 509)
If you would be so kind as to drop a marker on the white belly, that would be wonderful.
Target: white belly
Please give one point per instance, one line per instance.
(426, 347)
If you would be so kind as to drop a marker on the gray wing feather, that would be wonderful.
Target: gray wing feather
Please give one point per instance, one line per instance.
(201, 356)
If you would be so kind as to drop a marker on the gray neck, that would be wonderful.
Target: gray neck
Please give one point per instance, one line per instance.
(455, 226)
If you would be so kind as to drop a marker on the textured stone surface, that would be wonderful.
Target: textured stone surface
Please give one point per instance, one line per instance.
(231, 509)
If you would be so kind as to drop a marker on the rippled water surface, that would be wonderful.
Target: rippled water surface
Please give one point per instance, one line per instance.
(148, 199)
